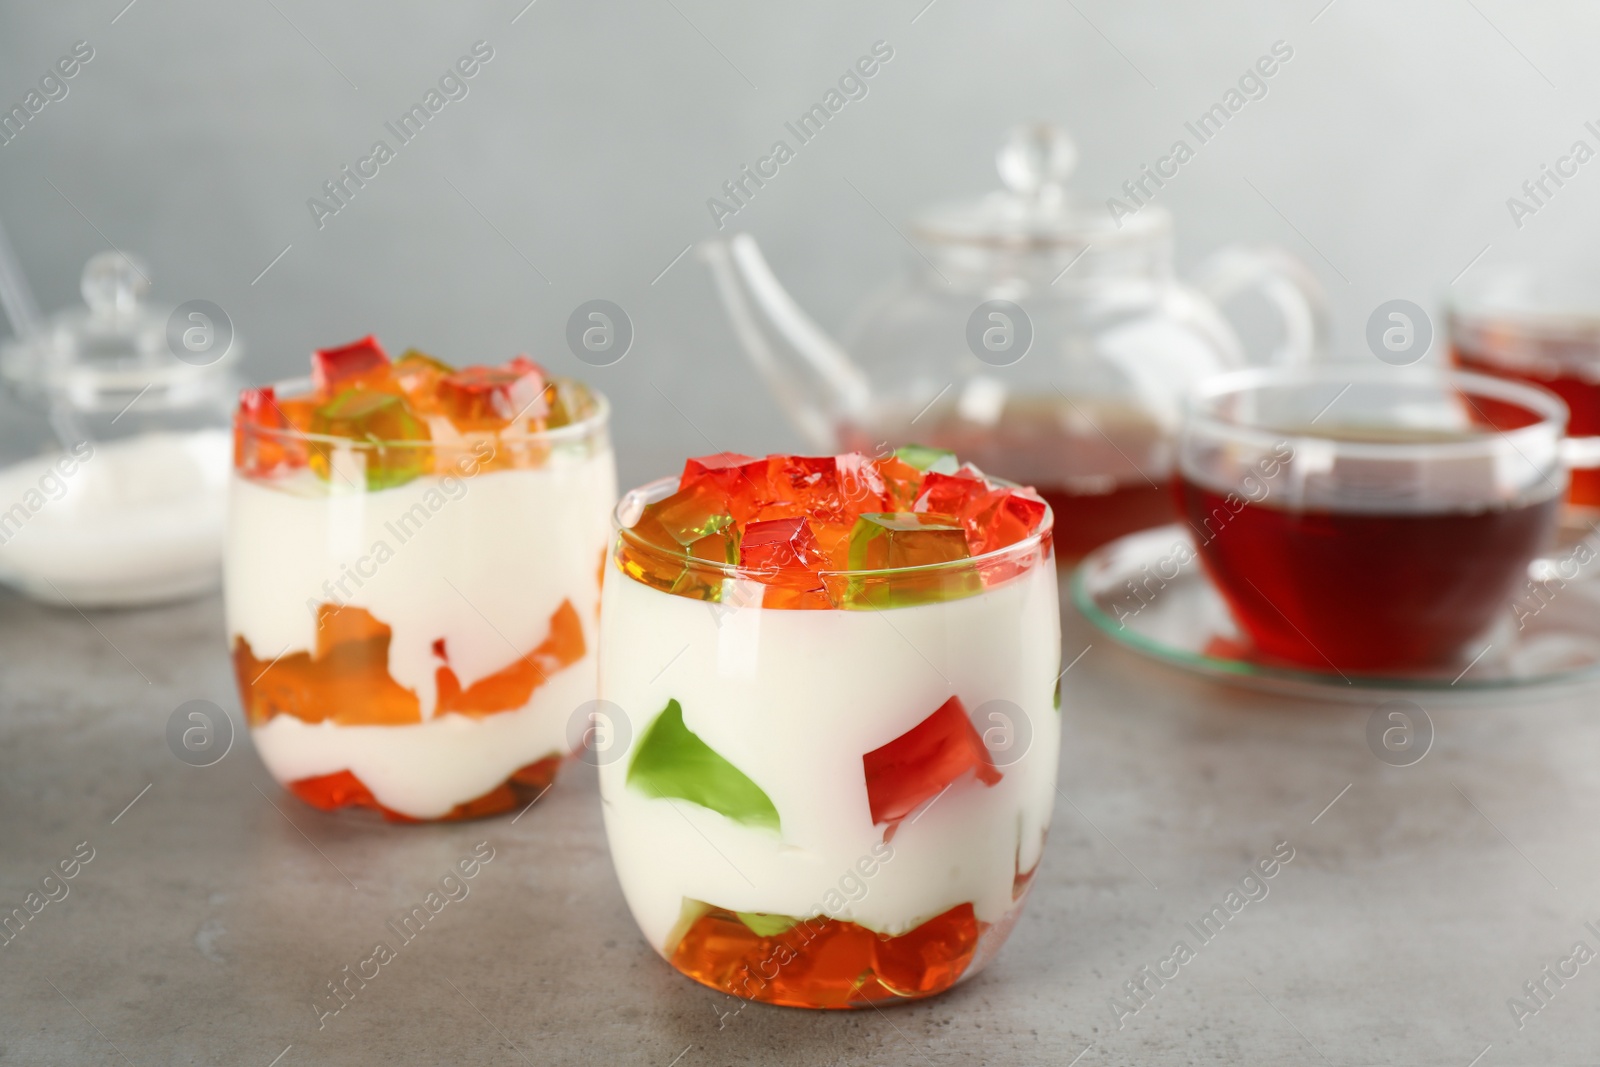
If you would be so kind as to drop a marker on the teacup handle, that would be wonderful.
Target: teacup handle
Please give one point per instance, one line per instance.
(1286, 283)
(1580, 453)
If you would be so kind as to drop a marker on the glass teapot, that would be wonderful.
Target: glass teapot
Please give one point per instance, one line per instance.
(1041, 336)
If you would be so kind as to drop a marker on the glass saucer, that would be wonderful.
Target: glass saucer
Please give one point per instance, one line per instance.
(1149, 592)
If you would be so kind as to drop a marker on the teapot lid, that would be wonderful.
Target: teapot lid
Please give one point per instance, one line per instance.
(117, 343)
(1036, 209)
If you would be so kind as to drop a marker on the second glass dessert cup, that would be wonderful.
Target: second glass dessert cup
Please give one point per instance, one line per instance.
(413, 622)
(833, 807)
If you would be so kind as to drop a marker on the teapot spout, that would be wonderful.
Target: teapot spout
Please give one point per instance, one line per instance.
(818, 386)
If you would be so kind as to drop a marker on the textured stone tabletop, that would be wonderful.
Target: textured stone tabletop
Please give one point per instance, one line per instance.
(214, 909)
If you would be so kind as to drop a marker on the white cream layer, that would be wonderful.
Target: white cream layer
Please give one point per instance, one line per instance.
(483, 562)
(794, 699)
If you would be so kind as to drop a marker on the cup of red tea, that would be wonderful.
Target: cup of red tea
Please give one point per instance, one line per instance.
(1540, 326)
(1371, 519)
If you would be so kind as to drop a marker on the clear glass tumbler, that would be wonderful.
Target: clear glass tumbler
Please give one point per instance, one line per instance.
(413, 622)
(831, 800)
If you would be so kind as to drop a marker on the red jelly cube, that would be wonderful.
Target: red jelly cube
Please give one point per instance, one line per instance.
(360, 363)
(259, 407)
(257, 453)
(779, 545)
(737, 478)
(1003, 518)
(832, 488)
(920, 763)
(491, 398)
(951, 494)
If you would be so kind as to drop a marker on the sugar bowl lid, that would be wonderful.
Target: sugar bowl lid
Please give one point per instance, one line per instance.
(117, 344)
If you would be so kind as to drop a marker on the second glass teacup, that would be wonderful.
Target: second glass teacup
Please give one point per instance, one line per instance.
(1371, 518)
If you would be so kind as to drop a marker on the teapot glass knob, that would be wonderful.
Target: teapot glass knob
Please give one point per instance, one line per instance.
(113, 283)
(1036, 158)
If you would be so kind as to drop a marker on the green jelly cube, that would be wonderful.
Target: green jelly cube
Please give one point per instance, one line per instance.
(894, 540)
(928, 459)
(763, 925)
(888, 540)
(671, 762)
(392, 439)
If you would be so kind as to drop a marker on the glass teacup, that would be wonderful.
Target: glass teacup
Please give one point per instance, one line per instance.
(1539, 325)
(1371, 519)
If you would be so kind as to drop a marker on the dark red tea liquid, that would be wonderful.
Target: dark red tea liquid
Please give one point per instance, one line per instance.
(1085, 521)
(1102, 465)
(1581, 393)
(1370, 592)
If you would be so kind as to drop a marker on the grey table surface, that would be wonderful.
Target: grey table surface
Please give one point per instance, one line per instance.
(215, 908)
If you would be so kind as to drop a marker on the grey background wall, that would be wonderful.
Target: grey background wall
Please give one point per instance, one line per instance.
(586, 148)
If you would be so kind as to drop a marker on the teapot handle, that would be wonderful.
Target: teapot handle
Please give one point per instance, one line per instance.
(811, 376)
(1286, 283)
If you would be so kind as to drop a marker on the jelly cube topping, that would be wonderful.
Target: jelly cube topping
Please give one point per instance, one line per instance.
(788, 522)
(672, 762)
(358, 393)
(922, 762)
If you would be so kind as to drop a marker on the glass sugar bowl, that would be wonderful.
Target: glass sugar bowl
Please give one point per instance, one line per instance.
(114, 446)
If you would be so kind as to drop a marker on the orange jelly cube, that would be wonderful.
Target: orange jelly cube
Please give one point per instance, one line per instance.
(491, 398)
(901, 481)
(737, 479)
(418, 375)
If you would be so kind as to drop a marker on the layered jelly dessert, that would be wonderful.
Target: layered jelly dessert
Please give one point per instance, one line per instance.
(412, 578)
(837, 681)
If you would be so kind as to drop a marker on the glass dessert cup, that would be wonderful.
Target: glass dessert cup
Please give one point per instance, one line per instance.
(835, 801)
(413, 623)
(1370, 520)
